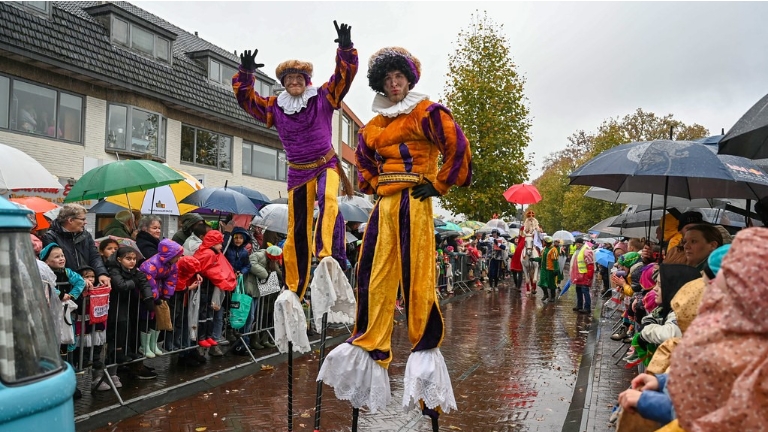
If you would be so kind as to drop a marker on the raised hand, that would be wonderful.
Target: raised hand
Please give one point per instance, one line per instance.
(344, 35)
(248, 60)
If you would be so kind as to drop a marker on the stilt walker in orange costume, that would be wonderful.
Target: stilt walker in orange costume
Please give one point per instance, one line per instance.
(397, 158)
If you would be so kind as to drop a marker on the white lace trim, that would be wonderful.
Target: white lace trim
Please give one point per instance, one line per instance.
(385, 107)
(426, 378)
(332, 294)
(290, 323)
(356, 377)
(293, 104)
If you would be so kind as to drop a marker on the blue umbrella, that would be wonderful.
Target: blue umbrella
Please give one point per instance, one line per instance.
(257, 198)
(106, 207)
(221, 200)
(565, 288)
(604, 257)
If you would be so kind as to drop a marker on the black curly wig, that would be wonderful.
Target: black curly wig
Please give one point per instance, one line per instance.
(386, 64)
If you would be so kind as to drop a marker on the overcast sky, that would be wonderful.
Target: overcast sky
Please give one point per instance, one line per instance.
(583, 62)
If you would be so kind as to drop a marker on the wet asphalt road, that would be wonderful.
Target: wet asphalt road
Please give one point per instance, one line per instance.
(513, 363)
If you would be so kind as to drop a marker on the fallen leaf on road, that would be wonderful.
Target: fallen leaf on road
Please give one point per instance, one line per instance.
(454, 428)
(464, 396)
(201, 429)
(267, 367)
(305, 415)
(144, 424)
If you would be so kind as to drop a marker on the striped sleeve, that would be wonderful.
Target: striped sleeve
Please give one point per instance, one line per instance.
(440, 128)
(257, 106)
(367, 168)
(339, 84)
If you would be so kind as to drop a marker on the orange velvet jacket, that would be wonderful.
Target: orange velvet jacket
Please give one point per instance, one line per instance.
(411, 143)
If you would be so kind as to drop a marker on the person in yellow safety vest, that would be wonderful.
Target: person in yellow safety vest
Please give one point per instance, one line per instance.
(582, 272)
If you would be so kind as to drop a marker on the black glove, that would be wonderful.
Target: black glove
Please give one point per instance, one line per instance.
(424, 191)
(149, 304)
(344, 34)
(248, 60)
(158, 301)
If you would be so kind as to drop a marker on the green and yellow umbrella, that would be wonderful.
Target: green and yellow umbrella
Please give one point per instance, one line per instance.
(163, 199)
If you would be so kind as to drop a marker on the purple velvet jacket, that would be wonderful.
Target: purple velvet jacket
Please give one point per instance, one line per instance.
(306, 135)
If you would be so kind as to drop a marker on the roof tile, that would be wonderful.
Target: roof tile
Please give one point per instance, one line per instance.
(88, 46)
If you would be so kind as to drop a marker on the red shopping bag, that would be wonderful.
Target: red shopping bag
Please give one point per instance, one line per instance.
(98, 304)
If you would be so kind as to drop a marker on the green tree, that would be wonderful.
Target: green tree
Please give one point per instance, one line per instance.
(564, 206)
(485, 94)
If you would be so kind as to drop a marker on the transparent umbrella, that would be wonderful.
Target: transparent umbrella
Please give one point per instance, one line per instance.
(273, 217)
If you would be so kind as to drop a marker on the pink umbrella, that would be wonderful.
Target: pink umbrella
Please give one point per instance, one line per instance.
(522, 194)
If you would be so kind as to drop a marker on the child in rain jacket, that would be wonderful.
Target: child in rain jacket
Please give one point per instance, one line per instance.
(218, 272)
(162, 275)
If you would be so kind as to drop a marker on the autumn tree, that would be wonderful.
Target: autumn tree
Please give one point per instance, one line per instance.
(564, 206)
(485, 94)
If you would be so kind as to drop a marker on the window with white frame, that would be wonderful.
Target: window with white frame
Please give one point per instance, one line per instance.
(220, 73)
(263, 88)
(346, 126)
(264, 162)
(141, 40)
(33, 109)
(38, 6)
(206, 148)
(136, 130)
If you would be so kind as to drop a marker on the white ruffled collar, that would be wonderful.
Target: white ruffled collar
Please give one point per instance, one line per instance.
(385, 107)
(293, 104)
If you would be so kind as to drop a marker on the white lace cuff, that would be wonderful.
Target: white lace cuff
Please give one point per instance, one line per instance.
(426, 378)
(332, 294)
(290, 323)
(356, 377)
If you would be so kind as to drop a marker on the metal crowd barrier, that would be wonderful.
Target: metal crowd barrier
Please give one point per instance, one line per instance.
(121, 339)
(454, 274)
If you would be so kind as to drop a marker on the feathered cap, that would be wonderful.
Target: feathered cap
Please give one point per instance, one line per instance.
(292, 67)
(392, 58)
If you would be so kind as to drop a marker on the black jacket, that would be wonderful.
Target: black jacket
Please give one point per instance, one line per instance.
(128, 286)
(146, 244)
(79, 248)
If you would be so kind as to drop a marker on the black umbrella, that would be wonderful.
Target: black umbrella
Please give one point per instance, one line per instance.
(748, 137)
(677, 168)
(280, 200)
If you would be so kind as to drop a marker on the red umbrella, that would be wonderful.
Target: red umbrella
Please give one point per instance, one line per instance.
(39, 206)
(522, 194)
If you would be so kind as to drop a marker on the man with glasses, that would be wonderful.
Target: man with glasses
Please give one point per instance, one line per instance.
(302, 115)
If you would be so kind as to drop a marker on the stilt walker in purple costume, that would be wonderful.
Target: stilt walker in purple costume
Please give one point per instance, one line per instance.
(302, 116)
(397, 158)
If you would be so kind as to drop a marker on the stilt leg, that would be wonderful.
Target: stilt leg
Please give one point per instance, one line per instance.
(319, 393)
(355, 415)
(290, 386)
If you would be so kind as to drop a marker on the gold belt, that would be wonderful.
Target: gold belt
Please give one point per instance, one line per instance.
(316, 164)
(400, 177)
